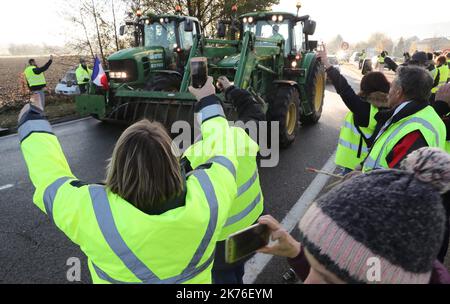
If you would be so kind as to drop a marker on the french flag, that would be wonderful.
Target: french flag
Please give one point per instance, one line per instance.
(99, 76)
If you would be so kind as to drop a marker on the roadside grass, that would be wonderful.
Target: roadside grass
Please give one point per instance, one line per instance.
(56, 107)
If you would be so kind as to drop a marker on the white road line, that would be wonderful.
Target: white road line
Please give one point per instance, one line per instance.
(6, 187)
(256, 265)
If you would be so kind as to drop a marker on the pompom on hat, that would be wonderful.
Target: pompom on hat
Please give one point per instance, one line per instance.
(395, 216)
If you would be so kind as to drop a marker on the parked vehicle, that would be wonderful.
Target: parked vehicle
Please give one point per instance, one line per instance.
(68, 84)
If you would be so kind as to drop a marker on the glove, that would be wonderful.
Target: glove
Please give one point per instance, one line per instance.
(207, 90)
(444, 94)
(223, 83)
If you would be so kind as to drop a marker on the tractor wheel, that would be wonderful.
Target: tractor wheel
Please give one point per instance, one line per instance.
(284, 108)
(315, 92)
(164, 82)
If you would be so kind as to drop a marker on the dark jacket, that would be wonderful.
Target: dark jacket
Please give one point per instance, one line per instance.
(39, 70)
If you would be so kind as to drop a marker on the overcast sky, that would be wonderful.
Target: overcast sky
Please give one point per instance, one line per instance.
(38, 21)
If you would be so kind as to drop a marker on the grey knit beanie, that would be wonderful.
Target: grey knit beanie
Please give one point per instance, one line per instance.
(389, 215)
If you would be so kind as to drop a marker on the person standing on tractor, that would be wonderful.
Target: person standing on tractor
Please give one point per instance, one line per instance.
(83, 74)
(35, 77)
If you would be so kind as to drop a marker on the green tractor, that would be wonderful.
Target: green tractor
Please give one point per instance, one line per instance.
(273, 59)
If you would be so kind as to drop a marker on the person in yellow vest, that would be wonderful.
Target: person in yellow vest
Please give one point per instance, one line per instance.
(83, 74)
(360, 122)
(441, 75)
(380, 63)
(249, 202)
(410, 124)
(448, 63)
(150, 222)
(442, 107)
(35, 77)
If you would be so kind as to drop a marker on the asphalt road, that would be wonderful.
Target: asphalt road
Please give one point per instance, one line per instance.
(32, 250)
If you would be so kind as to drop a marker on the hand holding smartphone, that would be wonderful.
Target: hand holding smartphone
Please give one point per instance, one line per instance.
(243, 243)
(199, 72)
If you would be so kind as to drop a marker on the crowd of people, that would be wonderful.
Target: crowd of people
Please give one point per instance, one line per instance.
(393, 206)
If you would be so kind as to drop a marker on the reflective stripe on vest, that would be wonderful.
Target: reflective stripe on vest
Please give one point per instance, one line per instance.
(112, 236)
(248, 184)
(221, 160)
(210, 112)
(352, 147)
(371, 164)
(50, 194)
(32, 126)
(354, 130)
(34, 79)
(236, 218)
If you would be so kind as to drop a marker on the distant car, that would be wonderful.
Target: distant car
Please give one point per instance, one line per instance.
(68, 85)
(355, 58)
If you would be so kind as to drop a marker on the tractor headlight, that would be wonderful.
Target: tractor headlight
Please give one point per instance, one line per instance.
(161, 20)
(118, 75)
(294, 64)
(245, 20)
(280, 18)
(250, 19)
(274, 18)
(147, 21)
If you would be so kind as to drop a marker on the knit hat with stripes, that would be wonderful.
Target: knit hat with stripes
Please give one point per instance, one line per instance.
(388, 216)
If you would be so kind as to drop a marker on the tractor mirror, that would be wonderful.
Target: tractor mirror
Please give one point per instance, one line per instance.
(309, 27)
(122, 30)
(188, 26)
(312, 45)
(221, 30)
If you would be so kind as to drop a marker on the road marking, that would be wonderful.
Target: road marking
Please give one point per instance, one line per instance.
(256, 265)
(6, 187)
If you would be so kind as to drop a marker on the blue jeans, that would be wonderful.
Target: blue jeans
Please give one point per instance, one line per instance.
(228, 276)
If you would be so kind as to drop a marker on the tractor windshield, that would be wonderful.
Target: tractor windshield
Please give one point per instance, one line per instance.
(270, 29)
(160, 34)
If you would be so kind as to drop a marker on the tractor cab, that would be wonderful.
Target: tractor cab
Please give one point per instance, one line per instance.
(162, 45)
(292, 29)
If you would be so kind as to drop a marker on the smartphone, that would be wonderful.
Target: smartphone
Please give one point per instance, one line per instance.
(199, 72)
(243, 243)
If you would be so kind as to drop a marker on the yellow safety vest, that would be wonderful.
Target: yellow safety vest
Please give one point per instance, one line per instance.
(352, 148)
(380, 60)
(249, 201)
(82, 74)
(123, 244)
(32, 78)
(426, 121)
(443, 77)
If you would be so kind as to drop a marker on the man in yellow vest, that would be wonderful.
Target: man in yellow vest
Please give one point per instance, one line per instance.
(380, 62)
(83, 74)
(410, 124)
(441, 75)
(150, 222)
(249, 202)
(35, 77)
